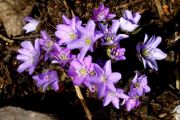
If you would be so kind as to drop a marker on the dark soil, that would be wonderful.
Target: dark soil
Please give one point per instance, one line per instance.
(19, 89)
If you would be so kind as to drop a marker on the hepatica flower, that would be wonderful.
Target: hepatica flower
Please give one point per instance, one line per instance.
(61, 55)
(79, 70)
(31, 25)
(102, 13)
(148, 52)
(87, 39)
(29, 55)
(129, 21)
(114, 97)
(67, 32)
(133, 101)
(46, 44)
(139, 84)
(116, 53)
(68, 21)
(110, 36)
(48, 78)
(105, 78)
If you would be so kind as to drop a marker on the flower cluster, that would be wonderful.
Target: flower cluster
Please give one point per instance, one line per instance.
(80, 66)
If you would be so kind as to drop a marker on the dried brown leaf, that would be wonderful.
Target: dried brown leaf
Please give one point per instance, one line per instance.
(12, 13)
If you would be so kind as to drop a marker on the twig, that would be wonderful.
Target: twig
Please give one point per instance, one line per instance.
(6, 39)
(83, 102)
(31, 36)
(130, 4)
(159, 8)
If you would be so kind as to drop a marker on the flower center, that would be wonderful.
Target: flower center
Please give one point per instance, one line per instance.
(145, 52)
(112, 93)
(137, 85)
(49, 43)
(72, 36)
(109, 36)
(108, 39)
(103, 78)
(100, 16)
(116, 53)
(88, 41)
(82, 72)
(48, 77)
(62, 56)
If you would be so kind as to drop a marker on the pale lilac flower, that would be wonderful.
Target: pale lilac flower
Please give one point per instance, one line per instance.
(29, 54)
(132, 102)
(87, 39)
(114, 97)
(68, 21)
(117, 53)
(110, 36)
(148, 52)
(139, 84)
(102, 13)
(80, 70)
(46, 43)
(61, 55)
(48, 78)
(31, 25)
(92, 87)
(105, 78)
(67, 32)
(129, 21)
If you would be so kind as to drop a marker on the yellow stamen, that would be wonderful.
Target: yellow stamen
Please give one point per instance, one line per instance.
(72, 36)
(49, 44)
(83, 72)
(137, 85)
(108, 39)
(103, 78)
(88, 41)
(145, 52)
(63, 57)
(112, 94)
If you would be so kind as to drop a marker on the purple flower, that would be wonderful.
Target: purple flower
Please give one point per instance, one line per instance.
(48, 78)
(61, 55)
(79, 70)
(87, 39)
(87, 82)
(110, 36)
(31, 25)
(102, 13)
(129, 21)
(67, 21)
(139, 84)
(132, 102)
(29, 54)
(46, 43)
(114, 97)
(67, 32)
(148, 52)
(116, 53)
(105, 78)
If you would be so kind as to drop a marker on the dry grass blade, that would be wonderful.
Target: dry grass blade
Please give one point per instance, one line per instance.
(159, 8)
(83, 102)
(6, 39)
